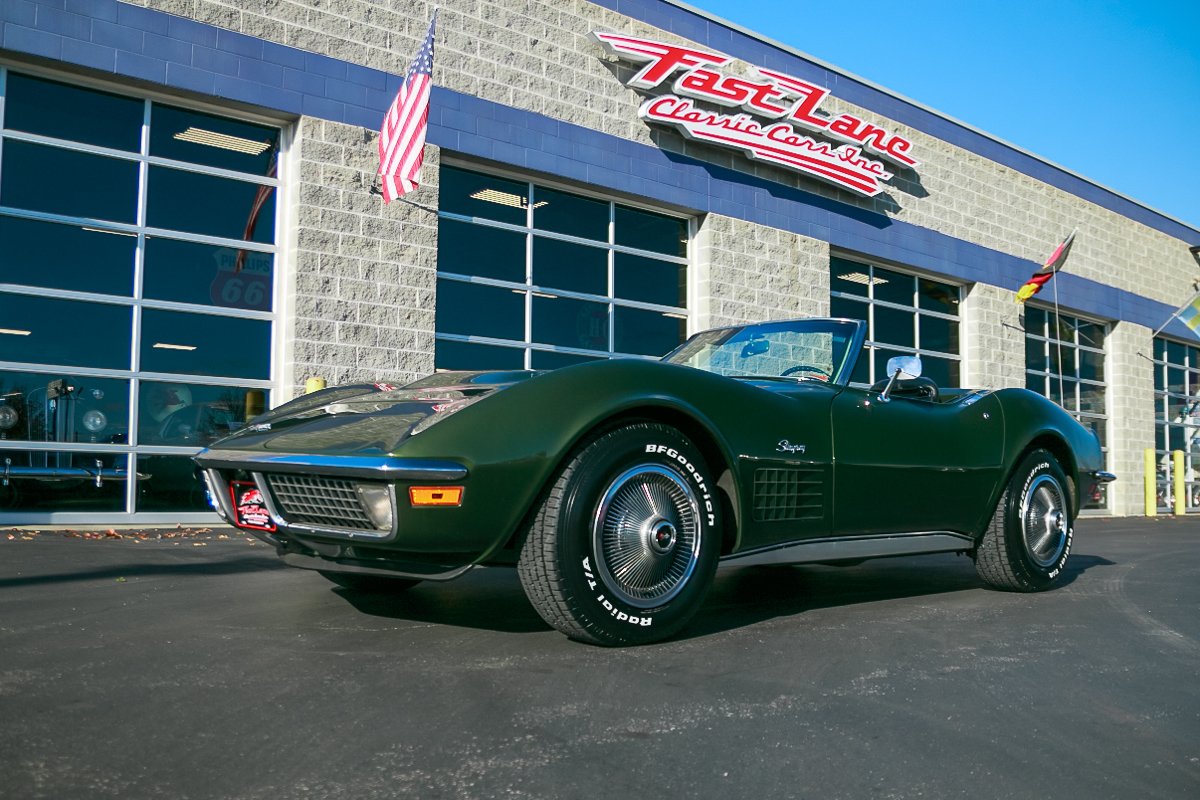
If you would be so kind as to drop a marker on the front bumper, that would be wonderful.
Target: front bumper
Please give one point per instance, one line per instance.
(313, 522)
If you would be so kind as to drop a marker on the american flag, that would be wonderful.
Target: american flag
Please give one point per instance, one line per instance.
(402, 137)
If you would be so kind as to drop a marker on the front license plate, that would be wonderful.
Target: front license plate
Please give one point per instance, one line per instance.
(249, 506)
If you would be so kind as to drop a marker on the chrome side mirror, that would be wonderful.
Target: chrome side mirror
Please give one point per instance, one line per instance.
(900, 368)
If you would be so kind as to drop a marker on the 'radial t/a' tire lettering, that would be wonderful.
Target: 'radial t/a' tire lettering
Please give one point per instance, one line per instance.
(624, 546)
(1027, 543)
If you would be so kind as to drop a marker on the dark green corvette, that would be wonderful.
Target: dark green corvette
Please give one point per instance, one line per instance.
(615, 487)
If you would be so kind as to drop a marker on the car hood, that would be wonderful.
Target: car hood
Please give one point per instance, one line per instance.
(369, 418)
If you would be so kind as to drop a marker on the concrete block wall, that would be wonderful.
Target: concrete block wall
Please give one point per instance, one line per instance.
(1130, 398)
(746, 272)
(993, 338)
(365, 274)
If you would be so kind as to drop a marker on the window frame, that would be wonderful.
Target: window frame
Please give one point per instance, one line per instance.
(530, 290)
(270, 385)
(870, 343)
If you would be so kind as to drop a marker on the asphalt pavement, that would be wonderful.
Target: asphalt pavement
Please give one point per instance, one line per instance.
(191, 664)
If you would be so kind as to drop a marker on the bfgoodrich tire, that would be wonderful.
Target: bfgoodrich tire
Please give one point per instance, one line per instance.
(1028, 541)
(624, 546)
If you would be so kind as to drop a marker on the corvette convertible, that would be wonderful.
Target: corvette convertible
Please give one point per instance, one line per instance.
(616, 487)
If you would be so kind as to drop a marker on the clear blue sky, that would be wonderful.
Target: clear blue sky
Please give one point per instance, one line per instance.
(1109, 89)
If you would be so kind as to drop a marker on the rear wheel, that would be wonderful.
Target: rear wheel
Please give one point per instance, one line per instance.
(374, 584)
(1028, 540)
(625, 544)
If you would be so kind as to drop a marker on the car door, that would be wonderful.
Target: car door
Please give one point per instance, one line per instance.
(907, 464)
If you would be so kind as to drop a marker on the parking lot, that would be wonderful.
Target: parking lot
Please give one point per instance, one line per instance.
(196, 666)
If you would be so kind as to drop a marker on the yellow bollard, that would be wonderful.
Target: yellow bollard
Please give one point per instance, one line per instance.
(1150, 479)
(314, 385)
(1177, 481)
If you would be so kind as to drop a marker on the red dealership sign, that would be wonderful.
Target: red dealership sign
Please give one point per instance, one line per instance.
(773, 119)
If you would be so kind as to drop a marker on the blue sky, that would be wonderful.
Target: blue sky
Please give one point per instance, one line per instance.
(1109, 89)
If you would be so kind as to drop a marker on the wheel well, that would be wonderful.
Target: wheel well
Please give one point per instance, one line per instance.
(1066, 459)
(694, 430)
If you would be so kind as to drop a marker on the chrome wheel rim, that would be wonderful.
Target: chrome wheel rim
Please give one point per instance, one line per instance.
(646, 535)
(1044, 522)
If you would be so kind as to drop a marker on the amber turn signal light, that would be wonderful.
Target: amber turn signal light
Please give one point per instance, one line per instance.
(435, 495)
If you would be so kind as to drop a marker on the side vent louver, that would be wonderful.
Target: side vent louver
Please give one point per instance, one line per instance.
(788, 494)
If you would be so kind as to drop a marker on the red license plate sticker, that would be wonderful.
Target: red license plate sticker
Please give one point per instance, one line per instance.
(249, 507)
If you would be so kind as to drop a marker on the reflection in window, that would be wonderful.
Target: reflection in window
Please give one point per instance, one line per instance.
(1177, 419)
(78, 372)
(905, 315)
(557, 277)
(1064, 361)
(63, 408)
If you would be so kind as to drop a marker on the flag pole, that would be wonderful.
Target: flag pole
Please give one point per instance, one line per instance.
(1175, 313)
(1058, 341)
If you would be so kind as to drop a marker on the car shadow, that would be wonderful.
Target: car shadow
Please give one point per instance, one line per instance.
(206, 568)
(492, 599)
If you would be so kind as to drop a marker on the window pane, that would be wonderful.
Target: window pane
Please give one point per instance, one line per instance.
(471, 309)
(942, 371)
(936, 296)
(55, 109)
(468, 249)
(1091, 398)
(476, 195)
(56, 256)
(1035, 320)
(893, 326)
(544, 359)
(892, 287)
(650, 281)
(862, 367)
(188, 201)
(1091, 365)
(214, 141)
(172, 485)
(63, 408)
(1176, 381)
(1159, 379)
(203, 344)
(570, 323)
(99, 187)
(849, 276)
(1036, 383)
(1068, 359)
(1091, 335)
(1176, 353)
(193, 415)
(570, 214)
(463, 355)
(647, 333)
(74, 490)
(646, 230)
(842, 308)
(939, 334)
(1035, 355)
(190, 272)
(67, 332)
(573, 267)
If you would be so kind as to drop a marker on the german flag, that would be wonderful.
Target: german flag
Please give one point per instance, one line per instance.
(1042, 276)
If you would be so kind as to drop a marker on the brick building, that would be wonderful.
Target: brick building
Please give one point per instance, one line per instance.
(188, 230)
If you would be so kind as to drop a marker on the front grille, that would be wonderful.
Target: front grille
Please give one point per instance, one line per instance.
(788, 494)
(319, 501)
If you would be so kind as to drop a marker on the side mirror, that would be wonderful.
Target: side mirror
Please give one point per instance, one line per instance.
(900, 368)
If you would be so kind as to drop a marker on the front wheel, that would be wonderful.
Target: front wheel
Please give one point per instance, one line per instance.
(624, 546)
(1028, 540)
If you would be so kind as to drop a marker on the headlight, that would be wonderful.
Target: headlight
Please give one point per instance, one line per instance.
(8, 417)
(95, 421)
(377, 500)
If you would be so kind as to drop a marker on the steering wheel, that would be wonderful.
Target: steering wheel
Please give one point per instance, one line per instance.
(820, 374)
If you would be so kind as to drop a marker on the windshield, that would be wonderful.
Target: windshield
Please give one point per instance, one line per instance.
(810, 349)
